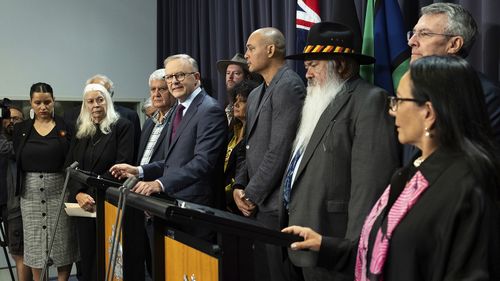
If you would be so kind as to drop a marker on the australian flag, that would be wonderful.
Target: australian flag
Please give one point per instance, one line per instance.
(307, 15)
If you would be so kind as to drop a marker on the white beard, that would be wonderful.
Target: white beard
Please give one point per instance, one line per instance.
(317, 100)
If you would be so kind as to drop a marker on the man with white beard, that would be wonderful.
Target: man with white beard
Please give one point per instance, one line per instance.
(345, 150)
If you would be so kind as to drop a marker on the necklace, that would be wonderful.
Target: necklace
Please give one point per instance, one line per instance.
(418, 161)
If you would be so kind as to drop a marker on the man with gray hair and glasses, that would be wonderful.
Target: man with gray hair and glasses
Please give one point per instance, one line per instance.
(449, 29)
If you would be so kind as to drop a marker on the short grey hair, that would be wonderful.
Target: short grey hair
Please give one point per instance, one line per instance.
(157, 75)
(460, 23)
(103, 80)
(184, 57)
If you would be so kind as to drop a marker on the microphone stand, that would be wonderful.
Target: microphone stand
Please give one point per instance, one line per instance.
(122, 201)
(48, 260)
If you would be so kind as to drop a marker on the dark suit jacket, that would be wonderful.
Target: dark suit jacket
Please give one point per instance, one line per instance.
(159, 148)
(115, 147)
(21, 133)
(192, 168)
(71, 115)
(491, 91)
(270, 131)
(346, 165)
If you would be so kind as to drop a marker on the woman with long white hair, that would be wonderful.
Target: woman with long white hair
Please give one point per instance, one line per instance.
(102, 140)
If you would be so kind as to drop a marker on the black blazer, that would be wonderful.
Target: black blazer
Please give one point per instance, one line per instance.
(115, 147)
(491, 92)
(21, 133)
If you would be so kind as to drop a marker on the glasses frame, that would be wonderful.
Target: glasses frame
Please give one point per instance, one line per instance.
(424, 34)
(394, 102)
(16, 119)
(179, 76)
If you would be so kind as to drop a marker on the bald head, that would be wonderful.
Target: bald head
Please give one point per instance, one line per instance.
(272, 36)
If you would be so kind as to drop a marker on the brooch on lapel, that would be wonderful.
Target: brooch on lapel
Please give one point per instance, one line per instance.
(62, 133)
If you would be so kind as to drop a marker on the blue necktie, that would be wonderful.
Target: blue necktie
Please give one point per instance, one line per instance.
(287, 190)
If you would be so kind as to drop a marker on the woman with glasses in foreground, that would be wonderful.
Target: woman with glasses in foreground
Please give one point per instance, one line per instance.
(438, 219)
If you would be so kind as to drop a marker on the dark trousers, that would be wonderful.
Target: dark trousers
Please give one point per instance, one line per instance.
(87, 266)
(272, 257)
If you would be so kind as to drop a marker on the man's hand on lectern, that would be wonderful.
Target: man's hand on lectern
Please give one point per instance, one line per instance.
(147, 187)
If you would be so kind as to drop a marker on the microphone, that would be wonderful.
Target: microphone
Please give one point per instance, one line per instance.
(130, 182)
(72, 166)
(87, 173)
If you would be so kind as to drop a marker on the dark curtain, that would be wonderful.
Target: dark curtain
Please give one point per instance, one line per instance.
(210, 30)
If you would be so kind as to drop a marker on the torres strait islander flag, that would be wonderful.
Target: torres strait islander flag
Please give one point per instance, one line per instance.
(384, 38)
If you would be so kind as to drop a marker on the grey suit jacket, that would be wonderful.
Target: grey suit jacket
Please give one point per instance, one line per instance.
(271, 128)
(346, 165)
(193, 160)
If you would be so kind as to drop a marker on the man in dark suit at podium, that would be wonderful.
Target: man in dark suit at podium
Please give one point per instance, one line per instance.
(195, 142)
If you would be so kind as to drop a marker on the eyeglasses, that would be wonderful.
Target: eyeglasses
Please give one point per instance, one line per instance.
(395, 101)
(422, 34)
(179, 76)
(16, 119)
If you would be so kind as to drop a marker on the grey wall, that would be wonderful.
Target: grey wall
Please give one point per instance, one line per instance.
(64, 42)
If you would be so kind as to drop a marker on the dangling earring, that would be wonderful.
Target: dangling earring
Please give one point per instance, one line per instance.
(427, 132)
(32, 114)
(53, 114)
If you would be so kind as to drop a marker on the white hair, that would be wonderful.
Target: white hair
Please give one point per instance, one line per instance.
(147, 103)
(157, 75)
(317, 100)
(85, 125)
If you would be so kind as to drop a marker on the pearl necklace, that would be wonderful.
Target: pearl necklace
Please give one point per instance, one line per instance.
(418, 161)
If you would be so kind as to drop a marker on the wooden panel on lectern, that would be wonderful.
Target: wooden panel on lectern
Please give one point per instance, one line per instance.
(186, 263)
(110, 211)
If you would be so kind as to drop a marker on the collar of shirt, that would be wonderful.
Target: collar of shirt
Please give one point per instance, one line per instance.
(156, 117)
(190, 99)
